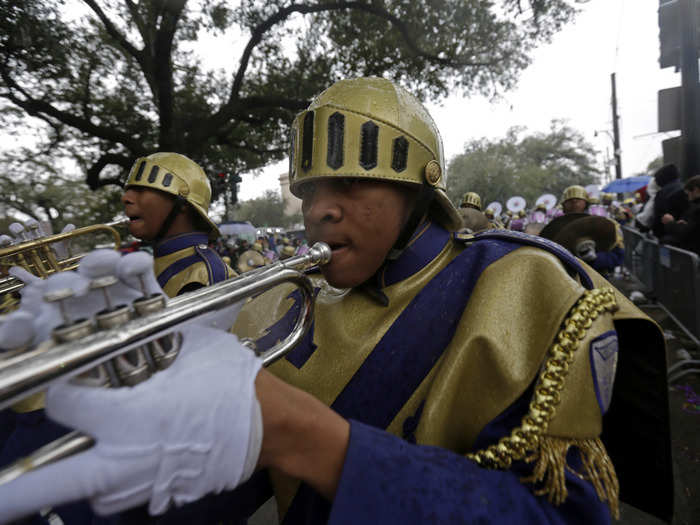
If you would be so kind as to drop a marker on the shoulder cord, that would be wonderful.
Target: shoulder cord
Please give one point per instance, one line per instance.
(546, 397)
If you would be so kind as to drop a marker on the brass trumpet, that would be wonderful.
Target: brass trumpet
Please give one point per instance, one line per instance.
(32, 371)
(37, 257)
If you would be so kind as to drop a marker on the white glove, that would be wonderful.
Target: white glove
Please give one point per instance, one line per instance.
(586, 250)
(62, 248)
(191, 430)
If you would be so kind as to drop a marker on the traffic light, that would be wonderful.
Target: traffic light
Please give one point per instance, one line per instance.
(669, 34)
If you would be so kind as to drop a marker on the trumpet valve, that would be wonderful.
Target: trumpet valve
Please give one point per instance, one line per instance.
(131, 367)
(163, 351)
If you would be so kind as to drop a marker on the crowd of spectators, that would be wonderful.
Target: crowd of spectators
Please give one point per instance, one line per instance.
(672, 213)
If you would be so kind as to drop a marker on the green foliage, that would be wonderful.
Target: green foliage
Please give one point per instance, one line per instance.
(267, 210)
(654, 165)
(106, 82)
(37, 189)
(523, 164)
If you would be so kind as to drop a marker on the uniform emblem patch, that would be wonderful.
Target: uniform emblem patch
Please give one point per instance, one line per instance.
(603, 352)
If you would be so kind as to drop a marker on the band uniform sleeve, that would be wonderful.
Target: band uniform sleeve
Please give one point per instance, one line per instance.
(388, 480)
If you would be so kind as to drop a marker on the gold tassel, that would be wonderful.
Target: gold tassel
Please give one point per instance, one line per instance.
(550, 469)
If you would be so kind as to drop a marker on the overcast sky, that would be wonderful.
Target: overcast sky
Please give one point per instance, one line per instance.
(568, 79)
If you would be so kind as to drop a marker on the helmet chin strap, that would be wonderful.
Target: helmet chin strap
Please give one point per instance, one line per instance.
(426, 195)
(178, 206)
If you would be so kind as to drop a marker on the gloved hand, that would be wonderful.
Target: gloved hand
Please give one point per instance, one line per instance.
(191, 430)
(586, 250)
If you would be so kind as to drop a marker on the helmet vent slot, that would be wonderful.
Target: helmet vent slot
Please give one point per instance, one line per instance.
(307, 143)
(139, 173)
(292, 153)
(336, 130)
(153, 174)
(167, 179)
(368, 145)
(399, 154)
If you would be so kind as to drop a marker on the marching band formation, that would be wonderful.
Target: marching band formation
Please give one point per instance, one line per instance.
(459, 365)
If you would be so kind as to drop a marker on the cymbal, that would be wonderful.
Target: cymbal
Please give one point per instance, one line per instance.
(569, 230)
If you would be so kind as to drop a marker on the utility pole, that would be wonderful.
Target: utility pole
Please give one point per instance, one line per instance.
(689, 89)
(616, 130)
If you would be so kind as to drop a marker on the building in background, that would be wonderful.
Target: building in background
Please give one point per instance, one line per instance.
(292, 204)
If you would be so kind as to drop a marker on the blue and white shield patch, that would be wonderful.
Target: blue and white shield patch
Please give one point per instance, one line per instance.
(603, 365)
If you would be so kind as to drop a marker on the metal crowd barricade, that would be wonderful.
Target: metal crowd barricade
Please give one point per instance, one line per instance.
(679, 285)
(641, 255)
(670, 273)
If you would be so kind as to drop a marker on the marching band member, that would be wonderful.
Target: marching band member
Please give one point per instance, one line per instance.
(471, 200)
(167, 199)
(410, 400)
(575, 200)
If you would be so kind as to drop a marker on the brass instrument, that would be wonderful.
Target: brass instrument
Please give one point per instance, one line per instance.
(32, 371)
(37, 257)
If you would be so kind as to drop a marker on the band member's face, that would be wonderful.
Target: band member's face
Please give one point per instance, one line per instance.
(359, 219)
(574, 206)
(147, 210)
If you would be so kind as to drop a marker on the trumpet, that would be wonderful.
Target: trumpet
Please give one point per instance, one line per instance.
(26, 373)
(36, 256)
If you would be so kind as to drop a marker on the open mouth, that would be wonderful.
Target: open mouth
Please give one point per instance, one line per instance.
(337, 246)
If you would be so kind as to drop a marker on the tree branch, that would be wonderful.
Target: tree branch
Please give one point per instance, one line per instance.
(127, 47)
(283, 14)
(36, 108)
(93, 179)
(163, 70)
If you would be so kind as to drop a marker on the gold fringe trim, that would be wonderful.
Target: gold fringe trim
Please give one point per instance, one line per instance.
(550, 469)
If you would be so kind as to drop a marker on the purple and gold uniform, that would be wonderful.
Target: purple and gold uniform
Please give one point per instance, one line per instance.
(182, 263)
(185, 262)
(434, 380)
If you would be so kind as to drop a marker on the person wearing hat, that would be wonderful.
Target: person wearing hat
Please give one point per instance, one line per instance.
(471, 200)
(287, 251)
(470, 210)
(422, 393)
(575, 200)
(166, 198)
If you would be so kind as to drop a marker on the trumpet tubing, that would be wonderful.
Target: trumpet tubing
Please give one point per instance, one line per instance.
(37, 257)
(77, 353)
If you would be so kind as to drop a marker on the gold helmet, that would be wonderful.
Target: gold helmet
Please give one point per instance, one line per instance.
(471, 199)
(489, 213)
(575, 192)
(287, 251)
(177, 175)
(629, 201)
(607, 198)
(370, 128)
(593, 200)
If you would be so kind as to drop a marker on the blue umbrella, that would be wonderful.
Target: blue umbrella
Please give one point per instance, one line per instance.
(627, 185)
